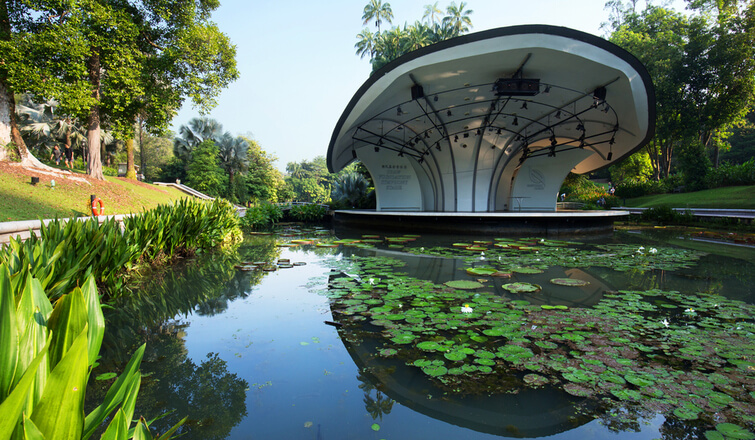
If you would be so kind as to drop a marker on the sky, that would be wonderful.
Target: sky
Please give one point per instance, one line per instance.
(298, 68)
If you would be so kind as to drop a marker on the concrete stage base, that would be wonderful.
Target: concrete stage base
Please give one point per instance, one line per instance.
(548, 224)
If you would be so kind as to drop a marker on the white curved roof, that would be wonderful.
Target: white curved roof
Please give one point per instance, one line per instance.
(448, 109)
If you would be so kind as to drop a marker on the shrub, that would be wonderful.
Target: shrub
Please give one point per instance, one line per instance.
(262, 216)
(728, 174)
(308, 213)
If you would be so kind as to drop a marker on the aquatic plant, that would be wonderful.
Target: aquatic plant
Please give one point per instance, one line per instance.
(633, 348)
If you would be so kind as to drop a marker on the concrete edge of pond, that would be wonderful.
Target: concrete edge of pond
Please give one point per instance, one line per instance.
(24, 228)
(552, 224)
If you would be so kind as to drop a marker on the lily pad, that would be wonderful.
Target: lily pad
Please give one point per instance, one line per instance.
(571, 282)
(521, 287)
(731, 430)
(463, 284)
(481, 271)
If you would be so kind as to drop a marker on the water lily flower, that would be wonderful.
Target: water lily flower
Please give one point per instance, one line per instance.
(371, 281)
(466, 309)
(653, 251)
(665, 322)
(689, 310)
(533, 327)
(482, 255)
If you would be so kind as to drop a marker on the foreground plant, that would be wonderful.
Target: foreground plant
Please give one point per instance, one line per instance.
(47, 352)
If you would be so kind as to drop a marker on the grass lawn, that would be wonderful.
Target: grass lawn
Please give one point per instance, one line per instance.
(23, 201)
(732, 197)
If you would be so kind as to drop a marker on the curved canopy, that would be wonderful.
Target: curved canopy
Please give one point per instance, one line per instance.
(494, 121)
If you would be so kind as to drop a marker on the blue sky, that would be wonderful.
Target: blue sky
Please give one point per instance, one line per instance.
(298, 68)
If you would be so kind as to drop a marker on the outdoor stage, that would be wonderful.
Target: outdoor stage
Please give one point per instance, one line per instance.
(544, 224)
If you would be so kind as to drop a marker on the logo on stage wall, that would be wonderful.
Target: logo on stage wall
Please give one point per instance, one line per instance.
(537, 179)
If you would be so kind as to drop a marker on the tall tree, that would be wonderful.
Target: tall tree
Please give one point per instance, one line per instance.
(233, 154)
(197, 131)
(432, 14)
(458, 18)
(658, 37)
(145, 55)
(365, 44)
(378, 11)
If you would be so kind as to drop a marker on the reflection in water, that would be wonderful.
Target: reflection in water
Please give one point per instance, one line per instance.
(213, 398)
(310, 385)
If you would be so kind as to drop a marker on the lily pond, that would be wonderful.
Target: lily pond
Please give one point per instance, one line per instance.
(307, 334)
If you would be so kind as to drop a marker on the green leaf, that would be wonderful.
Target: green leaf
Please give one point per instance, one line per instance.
(8, 333)
(31, 432)
(115, 394)
(731, 430)
(96, 319)
(67, 321)
(117, 429)
(169, 433)
(375, 427)
(142, 430)
(11, 408)
(60, 412)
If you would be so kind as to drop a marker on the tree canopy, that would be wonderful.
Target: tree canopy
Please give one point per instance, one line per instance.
(108, 62)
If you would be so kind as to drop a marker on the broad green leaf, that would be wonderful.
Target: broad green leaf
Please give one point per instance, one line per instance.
(129, 403)
(31, 432)
(10, 409)
(117, 429)
(115, 394)
(67, 321)
(60, 412)
(96, 318)
(8, 333)
(142, 430)
(169, 433)
(31, 344)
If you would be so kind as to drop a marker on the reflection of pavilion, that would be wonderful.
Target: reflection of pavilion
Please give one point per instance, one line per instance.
(492, 122)
(529, 413)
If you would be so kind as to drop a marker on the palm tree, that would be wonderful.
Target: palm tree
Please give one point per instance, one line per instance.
(197, 131)
(233, 155)
(457, 18)
(365, 44)
(415, 37)
(294, 169)
(43, 127)
(378, 11)
(350, 188)
(432, 13)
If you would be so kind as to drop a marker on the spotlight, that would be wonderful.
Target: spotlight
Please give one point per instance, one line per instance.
(516, 121)
(463, 145)
(420, 160)
(553, 140)
(498, 132)
(456, 138)
(466, 135)
(435, 98)
(581, 127)
(400, 154)
(427, 135)
(398, 111)
(437, 147)
(380, 142)
(492, 105)
(610, 155)
(354, 154)
(558, 114)
(547, 89)
(492, 147)
(607, 108)
(552, 152)
(377, 149)
(479, 132)
(524, 105)
(448, 113)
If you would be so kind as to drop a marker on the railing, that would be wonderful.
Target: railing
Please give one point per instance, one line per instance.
(748, 214)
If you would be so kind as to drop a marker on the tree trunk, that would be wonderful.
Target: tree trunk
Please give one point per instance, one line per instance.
(94, 163)
(130, 171)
